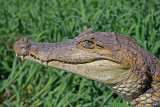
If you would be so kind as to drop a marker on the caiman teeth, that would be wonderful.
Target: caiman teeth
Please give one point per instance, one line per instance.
(16, 54)
(45, 64)
(22, 58)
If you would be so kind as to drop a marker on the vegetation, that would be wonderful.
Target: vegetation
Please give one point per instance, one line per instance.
(31, 84)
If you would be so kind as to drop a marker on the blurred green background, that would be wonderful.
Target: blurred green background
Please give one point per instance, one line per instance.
(30, 84)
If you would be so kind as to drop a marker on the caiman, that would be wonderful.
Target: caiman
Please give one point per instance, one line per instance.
(113, 59)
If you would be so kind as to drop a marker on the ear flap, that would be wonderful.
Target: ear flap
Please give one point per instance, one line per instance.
(88, 31)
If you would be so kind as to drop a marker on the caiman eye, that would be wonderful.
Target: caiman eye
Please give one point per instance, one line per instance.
(88, 44)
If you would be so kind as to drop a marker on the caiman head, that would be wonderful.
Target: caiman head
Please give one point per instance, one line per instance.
(101, 56)
(97, 56)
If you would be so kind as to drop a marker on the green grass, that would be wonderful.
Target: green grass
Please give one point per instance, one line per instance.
(30, 84)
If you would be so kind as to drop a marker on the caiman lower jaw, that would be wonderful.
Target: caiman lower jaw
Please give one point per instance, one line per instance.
(104, 71)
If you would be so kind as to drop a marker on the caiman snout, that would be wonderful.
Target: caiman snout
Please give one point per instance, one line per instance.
(22, 46)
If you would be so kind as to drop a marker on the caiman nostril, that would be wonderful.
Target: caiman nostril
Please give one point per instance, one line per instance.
(24, 40)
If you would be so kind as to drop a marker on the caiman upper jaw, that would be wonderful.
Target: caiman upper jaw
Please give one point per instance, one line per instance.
(82, 49)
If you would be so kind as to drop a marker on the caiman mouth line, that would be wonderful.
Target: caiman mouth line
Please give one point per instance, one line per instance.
(51, 60)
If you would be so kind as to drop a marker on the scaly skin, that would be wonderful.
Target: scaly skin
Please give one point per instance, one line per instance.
(107, 57)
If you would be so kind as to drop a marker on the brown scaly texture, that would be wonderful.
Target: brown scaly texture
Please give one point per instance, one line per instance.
(141, 88)
(144, 80)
